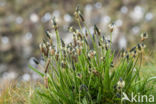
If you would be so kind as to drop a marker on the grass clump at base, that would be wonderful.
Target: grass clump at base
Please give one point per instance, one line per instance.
(75, 73)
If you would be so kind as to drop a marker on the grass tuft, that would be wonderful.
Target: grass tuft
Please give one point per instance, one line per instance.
(75, 73)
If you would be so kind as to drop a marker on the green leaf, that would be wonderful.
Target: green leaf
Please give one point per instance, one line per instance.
(35, 70)
(152, 78)
(99, 95)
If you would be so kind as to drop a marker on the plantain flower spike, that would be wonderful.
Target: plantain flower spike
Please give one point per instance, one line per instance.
(52, 50)
(97, 30)
(91, 53)
(111, 27)
(54, 23)
(144, 36)
(78, 15)
(120, 84)
(141, 47)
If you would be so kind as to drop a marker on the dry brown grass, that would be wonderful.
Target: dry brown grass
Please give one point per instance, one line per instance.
(16, 93)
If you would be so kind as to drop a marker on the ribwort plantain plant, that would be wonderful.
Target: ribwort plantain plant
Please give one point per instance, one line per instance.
(75, 73)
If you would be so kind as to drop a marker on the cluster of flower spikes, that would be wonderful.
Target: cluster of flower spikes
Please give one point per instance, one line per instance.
(74, 48)
(136, 50)
(133, 53)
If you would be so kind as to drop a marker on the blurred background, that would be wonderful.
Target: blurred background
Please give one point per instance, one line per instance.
(23, 22)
